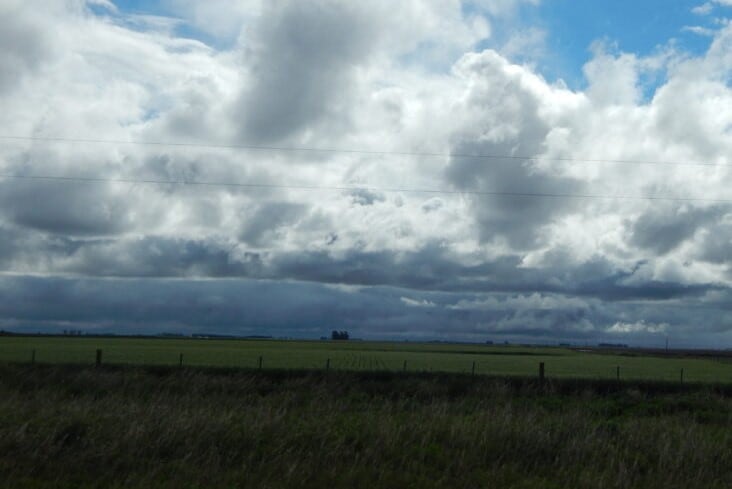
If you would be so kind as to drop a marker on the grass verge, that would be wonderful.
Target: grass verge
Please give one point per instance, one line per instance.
(70, 426)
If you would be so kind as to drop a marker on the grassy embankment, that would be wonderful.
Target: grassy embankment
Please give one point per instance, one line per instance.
(72, 426)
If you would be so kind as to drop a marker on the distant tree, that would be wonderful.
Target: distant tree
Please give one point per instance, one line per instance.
(339, 335)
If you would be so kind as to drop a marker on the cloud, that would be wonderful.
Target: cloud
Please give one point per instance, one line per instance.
(699, 30)
(613, 80)
(639, 327)
(506, 119)
(416, 303)
(707, 7)
(365, 197)
(266, 223)
(521, 240)
(664, 228)
(302, 61)
(76, 209)
(221, 19)
(534, 301)
(294, 309)
(27, 42)
(703, 9)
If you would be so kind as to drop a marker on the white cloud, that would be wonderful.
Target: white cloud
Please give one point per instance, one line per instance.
(417, 303)
(699, 30)
(638, 327)
(522, 302)
(707, 7)
(703, 9)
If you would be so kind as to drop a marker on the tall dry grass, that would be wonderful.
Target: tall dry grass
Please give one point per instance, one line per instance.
(78, 427)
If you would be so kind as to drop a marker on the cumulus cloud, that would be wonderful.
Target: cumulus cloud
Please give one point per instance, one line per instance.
(504, 103)
(484, 195)
(302, 61)
(707, 7)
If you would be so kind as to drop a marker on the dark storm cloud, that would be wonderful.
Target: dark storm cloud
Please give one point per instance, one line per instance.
(431, 269)
(428, 268)
(600, 277)
(229, 306)
(516, 218)
(154, 256)
(9, 247)
(662, 229)
(716, 246)
(301, 66)
(73, 209)
(23, 248)
(310, 310)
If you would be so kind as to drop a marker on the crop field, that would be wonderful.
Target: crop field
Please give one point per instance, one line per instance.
(368, 356)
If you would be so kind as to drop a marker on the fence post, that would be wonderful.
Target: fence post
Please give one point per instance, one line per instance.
(260, 363)
(404, 369)
(180, 360)
(617, 373)
(682, 375)
(99, 358)
(472, 371)
(33, 356)
(327, 364)
(541, 372)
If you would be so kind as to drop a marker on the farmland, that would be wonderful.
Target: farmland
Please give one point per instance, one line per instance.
(143, 420)
(368, 356)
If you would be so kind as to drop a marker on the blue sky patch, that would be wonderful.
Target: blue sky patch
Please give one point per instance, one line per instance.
(571, 27)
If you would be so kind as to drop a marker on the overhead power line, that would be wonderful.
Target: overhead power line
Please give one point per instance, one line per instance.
(302, 149)
(69, 179)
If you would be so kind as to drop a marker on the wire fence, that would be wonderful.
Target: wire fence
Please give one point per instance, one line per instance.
(541, 367)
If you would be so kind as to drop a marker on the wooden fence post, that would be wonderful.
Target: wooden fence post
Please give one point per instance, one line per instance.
(404, 369)
(472, 371)
(541, 372)
(327, 364)
(33, 356)
(180, 360)
(617, 373)
(260, 363)
(682, 375)
(98, 362)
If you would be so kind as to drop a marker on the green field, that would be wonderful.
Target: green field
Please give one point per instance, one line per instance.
(366, 356)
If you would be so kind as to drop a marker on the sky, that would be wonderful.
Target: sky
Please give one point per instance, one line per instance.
(535, 171)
